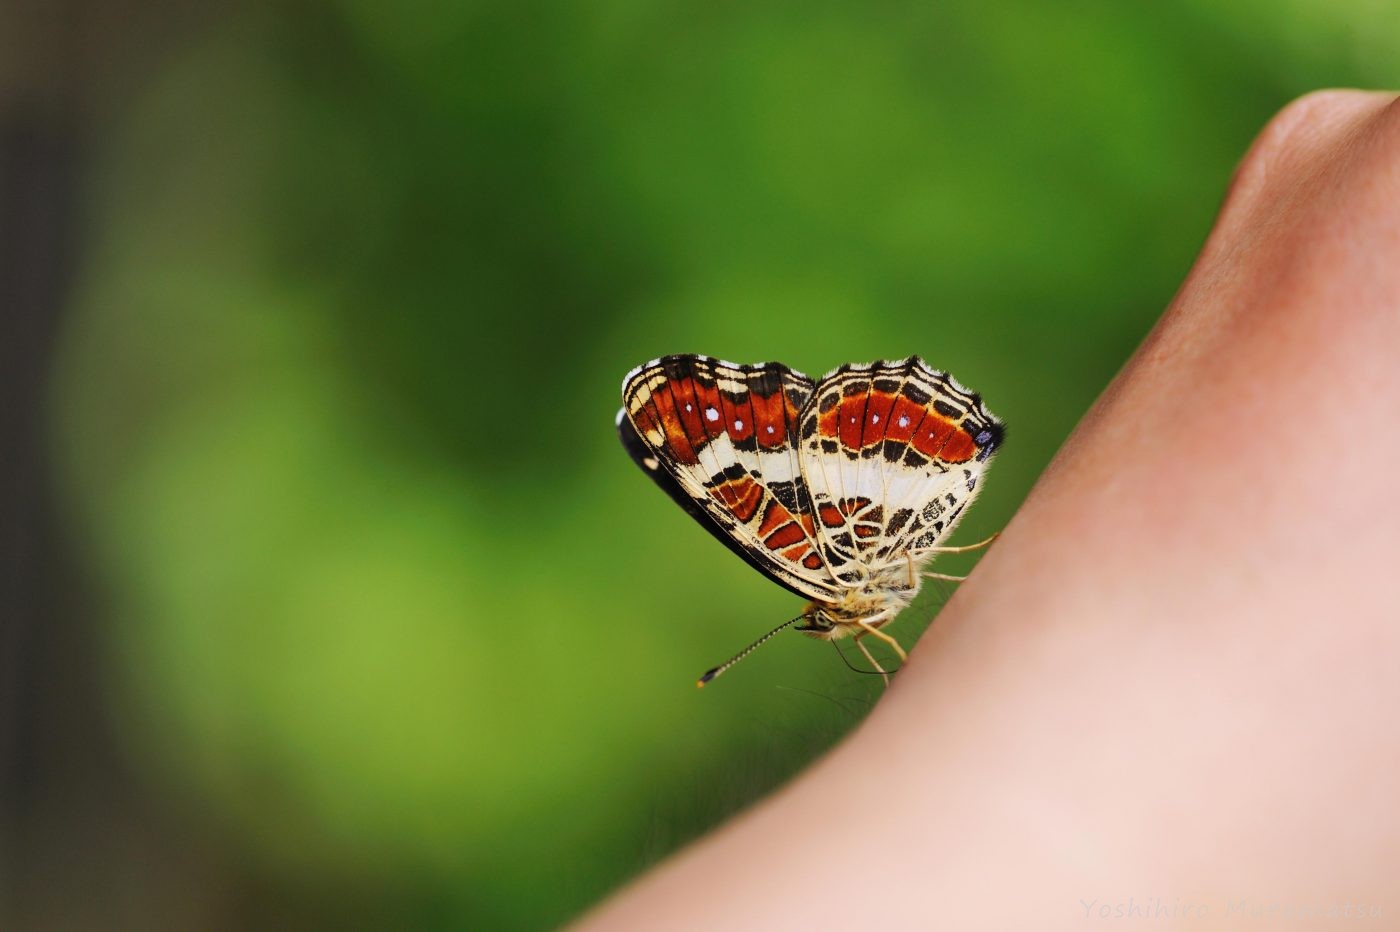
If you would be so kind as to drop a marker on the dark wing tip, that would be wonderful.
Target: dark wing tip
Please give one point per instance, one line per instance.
(990, 438)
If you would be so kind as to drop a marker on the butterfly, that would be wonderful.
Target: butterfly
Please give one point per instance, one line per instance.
(838, 490)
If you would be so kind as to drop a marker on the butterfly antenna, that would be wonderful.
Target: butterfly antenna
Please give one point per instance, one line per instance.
(716, 671)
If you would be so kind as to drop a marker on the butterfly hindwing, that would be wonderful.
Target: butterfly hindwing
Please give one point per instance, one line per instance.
(726, 438)
(891, 453)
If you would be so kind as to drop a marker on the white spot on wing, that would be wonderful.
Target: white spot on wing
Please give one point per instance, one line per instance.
(711, 414)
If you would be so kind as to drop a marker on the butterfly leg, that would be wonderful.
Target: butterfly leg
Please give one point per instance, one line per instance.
(871, 657)
(909, 558)
(964, 549)
(870, 629)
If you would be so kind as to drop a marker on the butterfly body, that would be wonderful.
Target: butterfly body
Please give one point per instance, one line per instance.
(838, 489)
(860, 607)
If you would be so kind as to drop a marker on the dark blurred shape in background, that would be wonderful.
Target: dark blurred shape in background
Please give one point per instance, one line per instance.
(330, 601)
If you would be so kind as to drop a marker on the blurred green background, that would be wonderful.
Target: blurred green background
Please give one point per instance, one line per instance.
(346, 609)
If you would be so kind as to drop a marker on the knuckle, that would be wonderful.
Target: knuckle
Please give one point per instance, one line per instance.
(1310, 114)
(1305, 130)
(1388, 121)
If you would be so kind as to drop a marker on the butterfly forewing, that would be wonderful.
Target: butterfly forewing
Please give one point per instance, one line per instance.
(728, 437)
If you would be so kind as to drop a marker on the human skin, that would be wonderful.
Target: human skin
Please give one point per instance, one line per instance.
(1174, 682)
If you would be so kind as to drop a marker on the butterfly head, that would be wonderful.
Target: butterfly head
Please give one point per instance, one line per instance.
(819, 622)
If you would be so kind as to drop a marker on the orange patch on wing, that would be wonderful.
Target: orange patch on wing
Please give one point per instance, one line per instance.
(959, 448)
(774, 516)
(877, 418)
(681, 394)
(813, 561)
(830, 516)
(850, 506)
(707, 407)
(932, 434)
(660, 414)
(848, 427)
(904, 419)
(772, 411)
(867, 418)
(739, 496)
(785, 536)
(738, 418)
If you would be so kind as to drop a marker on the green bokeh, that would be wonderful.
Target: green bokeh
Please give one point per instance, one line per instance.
(389, 611)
